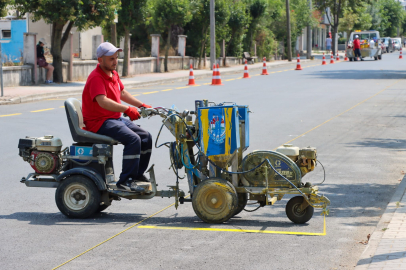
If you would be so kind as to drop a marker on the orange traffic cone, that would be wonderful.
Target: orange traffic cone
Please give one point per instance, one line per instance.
(400, 54)
(191, 76)
(264, 70)
(298, 67)
(246, 75)
(338, 57)
(324, 60)
(332, 58)
(346, 58)
(216, 76)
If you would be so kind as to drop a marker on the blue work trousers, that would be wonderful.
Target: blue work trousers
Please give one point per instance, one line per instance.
(137, 146)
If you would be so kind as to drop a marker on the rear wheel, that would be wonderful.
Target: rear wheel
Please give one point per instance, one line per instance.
(214, 200)
(297, 215)
(351, 59)
(242, 202)
(380, 57)
(375, 58)
(78, 197)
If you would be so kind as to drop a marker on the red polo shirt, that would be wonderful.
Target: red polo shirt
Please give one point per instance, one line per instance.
(357, 44)
(99, 83)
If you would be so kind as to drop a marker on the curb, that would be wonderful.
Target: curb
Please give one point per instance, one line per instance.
(68, 93)
(376, 236)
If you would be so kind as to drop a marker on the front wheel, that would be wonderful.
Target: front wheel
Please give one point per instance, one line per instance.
(296, 215)
(380, 57)
(77, 197)
(214, 200)
(350, 59)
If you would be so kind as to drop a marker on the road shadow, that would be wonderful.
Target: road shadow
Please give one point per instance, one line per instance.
(393, 144)
(50, 219)
(383, 257)
(352, 74)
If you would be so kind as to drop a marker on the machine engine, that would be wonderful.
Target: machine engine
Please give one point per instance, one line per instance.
(43, 153)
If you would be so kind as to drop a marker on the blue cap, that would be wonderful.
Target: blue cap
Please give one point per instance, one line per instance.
(106, 49)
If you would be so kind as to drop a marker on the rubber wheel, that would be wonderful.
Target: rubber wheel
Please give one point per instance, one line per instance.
(77, 197)
(375, 58)
(214, 200)
(102, 208)
(350, 59)
(380, 57)
(242, 202)
(295, 216)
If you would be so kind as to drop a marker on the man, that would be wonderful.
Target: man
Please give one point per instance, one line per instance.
(42, 62)
(102, 110)
(328, 43)
(357, 48)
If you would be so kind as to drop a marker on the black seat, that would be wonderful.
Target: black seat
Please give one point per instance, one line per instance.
(75, 119)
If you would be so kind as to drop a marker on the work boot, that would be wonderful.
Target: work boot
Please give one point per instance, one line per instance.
(130, 187)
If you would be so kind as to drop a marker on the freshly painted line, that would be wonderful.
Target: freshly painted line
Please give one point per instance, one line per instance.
(166, 90)
(286, 70)
(343, 112)
(207, 83)
(135, 95)
(230, 80)
(236, 230)
(272, 72)
(62, 107)
(5, 115)
(182, 87)
(43, 110)
(256, 75)
(153, 92)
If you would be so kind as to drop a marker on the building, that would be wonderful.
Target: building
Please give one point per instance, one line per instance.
(12, 29)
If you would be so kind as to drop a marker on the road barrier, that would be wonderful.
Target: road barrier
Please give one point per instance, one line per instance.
(338, 57)
(298, 66)
(216, 75)
(346, 58)
(191, 76)
(400, 53)
(324, 60)
(332, 58)
(264, 69)
(246, 75)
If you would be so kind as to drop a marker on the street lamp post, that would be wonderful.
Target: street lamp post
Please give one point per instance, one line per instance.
(212, 35)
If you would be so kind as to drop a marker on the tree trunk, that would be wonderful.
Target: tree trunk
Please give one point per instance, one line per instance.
(113, 34)
(56, 49)
(202, 47)
(126, 56)
(168, 44)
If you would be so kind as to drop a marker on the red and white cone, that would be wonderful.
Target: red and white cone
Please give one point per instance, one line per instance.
(346, 58)
(191, 76)
(216, 76)
(246, 75)
(264, 70)
(324, 60)
(332, 58)
(298, 67)
(400, 54)
(338, 57)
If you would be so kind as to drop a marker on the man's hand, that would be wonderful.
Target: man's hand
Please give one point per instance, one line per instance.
(133, 113)
(143, 105)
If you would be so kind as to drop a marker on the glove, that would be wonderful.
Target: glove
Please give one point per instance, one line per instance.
(133, 113)
(143, 105)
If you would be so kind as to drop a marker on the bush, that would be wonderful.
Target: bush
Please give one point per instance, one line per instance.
(342, 40)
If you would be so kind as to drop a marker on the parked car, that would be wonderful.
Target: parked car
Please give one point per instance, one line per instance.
(396, 45)
(388, 44)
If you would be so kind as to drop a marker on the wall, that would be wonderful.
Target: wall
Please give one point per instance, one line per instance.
(13, 50)
(22, 75)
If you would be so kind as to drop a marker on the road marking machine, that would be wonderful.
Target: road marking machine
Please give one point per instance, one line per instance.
(209, 145)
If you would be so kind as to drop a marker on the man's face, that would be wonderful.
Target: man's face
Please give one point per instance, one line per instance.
(109, 62)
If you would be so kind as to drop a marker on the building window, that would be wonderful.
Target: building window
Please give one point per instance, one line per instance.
(6, 33)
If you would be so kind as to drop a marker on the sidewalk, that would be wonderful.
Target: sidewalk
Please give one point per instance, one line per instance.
(22, 94)
(387, 246)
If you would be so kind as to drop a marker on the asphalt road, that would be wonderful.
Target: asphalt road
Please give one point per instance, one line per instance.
(353, 112)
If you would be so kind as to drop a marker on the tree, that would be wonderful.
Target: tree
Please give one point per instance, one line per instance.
(128, 17)
(63, 15)
(355, 18)
(237, 23)
(392, 14)
(336, 8)
(165, 13)
(256, 9)
(3, 5)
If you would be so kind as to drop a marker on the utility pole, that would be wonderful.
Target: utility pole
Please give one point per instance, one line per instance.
(1, 70)
(309, 34)
(288, 28)
(212, 35)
